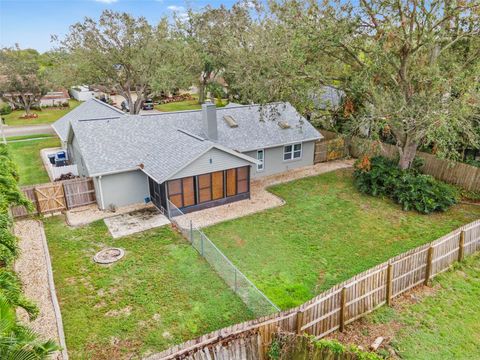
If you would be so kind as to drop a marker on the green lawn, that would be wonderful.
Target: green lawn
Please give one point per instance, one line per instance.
(45, 116)
(161, 293)
(186, 105)
(441, 326)
(326, 233)
(27, 156)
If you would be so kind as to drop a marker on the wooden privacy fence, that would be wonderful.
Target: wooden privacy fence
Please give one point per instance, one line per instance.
(342, 304)
(57, 196)
(460, 174)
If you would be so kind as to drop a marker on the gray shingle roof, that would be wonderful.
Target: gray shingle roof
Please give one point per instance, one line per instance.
(129, 142)
(90, 109)
(257, 125)
(164, 143)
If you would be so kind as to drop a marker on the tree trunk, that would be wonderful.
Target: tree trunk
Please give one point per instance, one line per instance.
(407, 154)
(201, 92)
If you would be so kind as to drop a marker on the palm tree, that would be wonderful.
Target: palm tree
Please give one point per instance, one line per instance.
(17, 342)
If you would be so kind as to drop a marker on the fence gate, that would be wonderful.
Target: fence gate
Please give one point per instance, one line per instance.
(50, 198)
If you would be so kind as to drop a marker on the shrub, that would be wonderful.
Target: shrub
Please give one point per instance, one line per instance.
(409, 188)
(5, 109)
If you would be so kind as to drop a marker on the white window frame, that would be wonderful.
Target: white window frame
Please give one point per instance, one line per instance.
(292, 152)
(261, 167)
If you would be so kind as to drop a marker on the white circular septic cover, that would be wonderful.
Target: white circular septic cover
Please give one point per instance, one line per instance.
(109, 255)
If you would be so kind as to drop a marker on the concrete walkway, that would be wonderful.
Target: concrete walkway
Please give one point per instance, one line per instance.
(260, 198)
(34, 269)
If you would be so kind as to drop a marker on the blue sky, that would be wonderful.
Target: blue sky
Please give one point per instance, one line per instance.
(31, 22)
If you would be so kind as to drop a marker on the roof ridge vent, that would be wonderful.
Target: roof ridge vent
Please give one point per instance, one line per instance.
(230, 120)
(284, 124)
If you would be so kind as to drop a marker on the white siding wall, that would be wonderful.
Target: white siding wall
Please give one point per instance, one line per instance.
(213, 160)
(75, 156)
(122, 189)
(274, 163)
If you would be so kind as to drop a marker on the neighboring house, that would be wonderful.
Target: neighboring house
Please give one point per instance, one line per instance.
(82, 93)
(196, 159)
(54, 98)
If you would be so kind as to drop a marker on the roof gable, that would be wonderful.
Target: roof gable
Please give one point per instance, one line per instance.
(89, 110)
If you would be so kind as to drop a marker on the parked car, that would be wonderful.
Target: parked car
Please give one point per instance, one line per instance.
(124, 106)
(147, 104)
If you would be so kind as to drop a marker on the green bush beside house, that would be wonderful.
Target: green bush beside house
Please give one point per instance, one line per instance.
(16, 340)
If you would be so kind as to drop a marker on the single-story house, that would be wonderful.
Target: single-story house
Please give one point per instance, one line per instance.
(82, 93)
(54, 98)
(194, 159)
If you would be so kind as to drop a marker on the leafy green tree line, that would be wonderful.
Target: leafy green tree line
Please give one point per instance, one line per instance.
(17, 341)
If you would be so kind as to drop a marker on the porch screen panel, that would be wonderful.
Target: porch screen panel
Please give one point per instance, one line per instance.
(175, 192)
(217, 185)
(188, 191)
(231, 182)
(204, 188)
(242, 180)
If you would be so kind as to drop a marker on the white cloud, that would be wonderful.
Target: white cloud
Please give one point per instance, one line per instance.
(106, 1)
(176, 8)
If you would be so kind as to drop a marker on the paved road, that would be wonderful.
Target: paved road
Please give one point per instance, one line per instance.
(28, 130)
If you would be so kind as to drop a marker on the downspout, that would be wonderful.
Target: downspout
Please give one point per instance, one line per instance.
(102, 205)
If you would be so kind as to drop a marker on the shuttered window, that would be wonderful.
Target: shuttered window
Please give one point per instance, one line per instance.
(175, 192)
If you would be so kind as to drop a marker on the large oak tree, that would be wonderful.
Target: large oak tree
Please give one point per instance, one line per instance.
(125, 54)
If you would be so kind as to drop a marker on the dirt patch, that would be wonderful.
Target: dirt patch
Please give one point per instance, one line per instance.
(115, 349)
(239, 242)
(364, 332)
(119, 312)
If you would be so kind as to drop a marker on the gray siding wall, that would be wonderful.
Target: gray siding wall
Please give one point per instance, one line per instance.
(274, 163)
(122, 189)
(76, 156)
(213, 160)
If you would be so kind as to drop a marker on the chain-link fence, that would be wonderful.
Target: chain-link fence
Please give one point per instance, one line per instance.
(255, 300)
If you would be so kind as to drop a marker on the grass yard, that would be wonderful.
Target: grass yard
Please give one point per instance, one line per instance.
(443, 323)
(161, 293)
(27, 156)
(186, 105)
(326, 233)
(45, 116)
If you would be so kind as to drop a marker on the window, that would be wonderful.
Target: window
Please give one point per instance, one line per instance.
(291, 152)
(260, 157)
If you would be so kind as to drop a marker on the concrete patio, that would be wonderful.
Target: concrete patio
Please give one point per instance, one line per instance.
(136, 221)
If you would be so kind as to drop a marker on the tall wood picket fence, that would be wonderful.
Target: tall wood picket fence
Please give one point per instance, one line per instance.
(452, 172)
(338, 306)
(57, 196)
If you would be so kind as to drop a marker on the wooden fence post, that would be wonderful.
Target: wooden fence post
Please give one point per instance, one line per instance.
(461, 245)
(428, 270)
(299, 322)
(389, 284)
(343, 303)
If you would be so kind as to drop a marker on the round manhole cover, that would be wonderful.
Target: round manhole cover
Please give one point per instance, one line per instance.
(108, 256)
